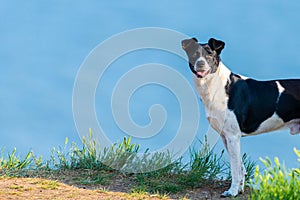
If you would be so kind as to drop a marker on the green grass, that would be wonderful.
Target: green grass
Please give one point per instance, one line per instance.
(88, 165)
(12, 162)
(276, 182)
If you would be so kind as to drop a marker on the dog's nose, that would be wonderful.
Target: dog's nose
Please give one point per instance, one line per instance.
(200, 63)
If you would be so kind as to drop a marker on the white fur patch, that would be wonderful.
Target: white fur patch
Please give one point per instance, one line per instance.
(211, 90)
(280, 88)
(271, 124)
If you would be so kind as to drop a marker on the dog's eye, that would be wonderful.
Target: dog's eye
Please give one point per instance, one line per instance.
(196, 54)
(208, 57)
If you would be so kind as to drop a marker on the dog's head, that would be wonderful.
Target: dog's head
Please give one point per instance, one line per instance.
(204, 59)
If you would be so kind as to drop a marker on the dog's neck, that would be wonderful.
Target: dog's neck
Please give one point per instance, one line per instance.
(212, 87)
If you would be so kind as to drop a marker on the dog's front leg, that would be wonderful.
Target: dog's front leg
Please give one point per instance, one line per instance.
(244, 174)
(236, 166)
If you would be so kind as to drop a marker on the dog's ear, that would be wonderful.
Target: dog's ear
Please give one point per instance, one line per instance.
(195, 39)
(186, 44)
(216, 45)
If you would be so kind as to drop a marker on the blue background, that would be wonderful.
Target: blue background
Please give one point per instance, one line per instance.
(42, 45)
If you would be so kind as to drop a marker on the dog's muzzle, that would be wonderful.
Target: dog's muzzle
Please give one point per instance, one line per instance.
(201, 67)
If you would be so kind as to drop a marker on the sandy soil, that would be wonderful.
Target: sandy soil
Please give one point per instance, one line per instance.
(41, 188)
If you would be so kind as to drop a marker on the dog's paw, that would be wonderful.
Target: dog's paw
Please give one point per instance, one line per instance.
(241, 190)
(228, 194)
(242, 186)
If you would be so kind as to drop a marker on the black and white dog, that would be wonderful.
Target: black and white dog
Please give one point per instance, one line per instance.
(238, 106)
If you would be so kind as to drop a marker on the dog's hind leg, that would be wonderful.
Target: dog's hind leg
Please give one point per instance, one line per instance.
(236, 166)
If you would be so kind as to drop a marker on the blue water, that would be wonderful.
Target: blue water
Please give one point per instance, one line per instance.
(43, 45)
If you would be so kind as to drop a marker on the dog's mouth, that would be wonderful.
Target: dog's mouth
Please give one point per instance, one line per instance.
(201, 67)
(202, 73)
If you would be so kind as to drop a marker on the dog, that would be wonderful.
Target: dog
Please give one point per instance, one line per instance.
(238, 106)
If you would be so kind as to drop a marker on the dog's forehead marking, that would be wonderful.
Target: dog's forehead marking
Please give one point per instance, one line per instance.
(203, 49)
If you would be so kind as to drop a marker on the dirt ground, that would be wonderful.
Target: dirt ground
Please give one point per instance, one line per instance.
(40, 188)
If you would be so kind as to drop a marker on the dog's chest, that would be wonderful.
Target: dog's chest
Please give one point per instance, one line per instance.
(213, 95)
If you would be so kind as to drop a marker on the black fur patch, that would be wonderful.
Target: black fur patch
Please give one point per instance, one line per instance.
(255, 101)
(288, 107)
